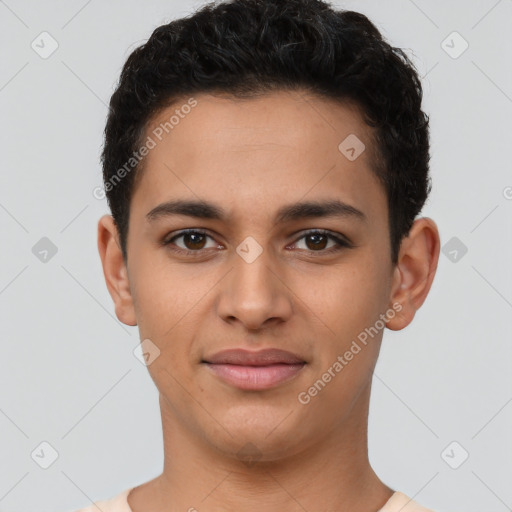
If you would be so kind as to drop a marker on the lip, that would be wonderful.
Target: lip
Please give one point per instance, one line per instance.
(250, 370)
(263, 357)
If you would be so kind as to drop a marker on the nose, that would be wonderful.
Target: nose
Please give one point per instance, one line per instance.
(255, 293)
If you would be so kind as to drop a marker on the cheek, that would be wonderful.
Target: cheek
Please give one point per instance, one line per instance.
(165, 316)
(157, 294)
(352, 298)
(151, 275)
(168, 297)
(350, 305)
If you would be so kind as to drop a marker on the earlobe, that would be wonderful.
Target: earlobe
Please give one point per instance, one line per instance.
(115, 270)
(415, 271)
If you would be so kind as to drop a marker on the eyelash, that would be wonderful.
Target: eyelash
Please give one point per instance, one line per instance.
(340, 242)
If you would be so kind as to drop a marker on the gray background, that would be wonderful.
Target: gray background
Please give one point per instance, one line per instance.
(69, 375)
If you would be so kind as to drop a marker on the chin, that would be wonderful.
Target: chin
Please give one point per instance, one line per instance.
(264, 440)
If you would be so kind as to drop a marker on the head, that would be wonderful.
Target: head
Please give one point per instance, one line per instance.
(246, 109)
(249, 48)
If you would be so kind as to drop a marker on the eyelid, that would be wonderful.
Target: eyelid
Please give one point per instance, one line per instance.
(319, 231)
(168, 239)
(340, 240)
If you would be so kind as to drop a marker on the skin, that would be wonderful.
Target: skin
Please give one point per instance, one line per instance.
(251, 157)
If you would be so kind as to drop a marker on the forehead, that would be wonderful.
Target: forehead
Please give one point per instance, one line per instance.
(286, 118)
(280, 144)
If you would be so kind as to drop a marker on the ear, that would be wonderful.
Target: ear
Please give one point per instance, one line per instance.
(115, 270)
(414, 272)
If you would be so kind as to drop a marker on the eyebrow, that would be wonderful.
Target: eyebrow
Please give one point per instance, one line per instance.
(287, 213)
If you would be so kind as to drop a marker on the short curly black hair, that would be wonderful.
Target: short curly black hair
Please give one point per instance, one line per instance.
(249, 47)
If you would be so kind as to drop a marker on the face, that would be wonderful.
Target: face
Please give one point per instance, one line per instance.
(257, 270)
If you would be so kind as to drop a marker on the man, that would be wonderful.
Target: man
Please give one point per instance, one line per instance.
(265, 163)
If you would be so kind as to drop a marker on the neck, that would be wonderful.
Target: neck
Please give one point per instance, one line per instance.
(331, 473)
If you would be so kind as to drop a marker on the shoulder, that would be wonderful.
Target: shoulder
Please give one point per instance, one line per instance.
(118, 503)
(401, 502)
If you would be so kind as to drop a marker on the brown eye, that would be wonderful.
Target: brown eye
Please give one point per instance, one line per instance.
(193, 241)
(318, 240)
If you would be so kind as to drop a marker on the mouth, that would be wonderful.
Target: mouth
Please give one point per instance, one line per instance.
(254, 370)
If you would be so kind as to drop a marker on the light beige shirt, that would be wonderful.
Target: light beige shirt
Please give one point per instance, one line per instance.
(398, 502)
